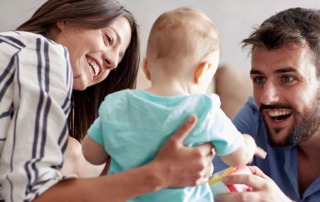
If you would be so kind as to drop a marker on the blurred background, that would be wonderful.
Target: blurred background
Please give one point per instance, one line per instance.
(235, 20)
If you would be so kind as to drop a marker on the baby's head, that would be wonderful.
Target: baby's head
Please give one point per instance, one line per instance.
(180, 41)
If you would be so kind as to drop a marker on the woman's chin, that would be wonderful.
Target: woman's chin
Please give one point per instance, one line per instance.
(80, 83)
(79, 86)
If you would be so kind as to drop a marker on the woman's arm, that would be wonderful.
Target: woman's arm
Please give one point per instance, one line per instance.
(174, 166)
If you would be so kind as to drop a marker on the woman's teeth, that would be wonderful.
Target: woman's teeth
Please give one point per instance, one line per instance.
(94, 67)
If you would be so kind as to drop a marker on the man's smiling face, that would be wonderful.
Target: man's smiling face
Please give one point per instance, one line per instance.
(286, 90)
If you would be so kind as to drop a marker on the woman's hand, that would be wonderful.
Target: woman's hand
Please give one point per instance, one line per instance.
(174, 166)
(263, 188)
(185, 166)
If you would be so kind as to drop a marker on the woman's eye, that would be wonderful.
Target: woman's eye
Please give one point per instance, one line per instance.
(108, 40)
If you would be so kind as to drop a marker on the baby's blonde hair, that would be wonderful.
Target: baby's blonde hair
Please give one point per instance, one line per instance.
(182, 33)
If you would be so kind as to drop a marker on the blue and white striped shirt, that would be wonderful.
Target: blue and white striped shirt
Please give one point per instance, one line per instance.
(35, 91)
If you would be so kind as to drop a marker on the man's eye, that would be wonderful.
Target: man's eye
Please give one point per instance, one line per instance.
(259, 80)
(287, 79)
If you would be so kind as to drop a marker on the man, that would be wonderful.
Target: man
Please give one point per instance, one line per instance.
(284, 114)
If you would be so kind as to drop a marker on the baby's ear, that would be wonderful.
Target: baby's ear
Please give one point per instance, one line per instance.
(202, 71)
(146, 69)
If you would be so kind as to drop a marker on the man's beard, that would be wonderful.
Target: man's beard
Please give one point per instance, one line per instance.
(305, 125)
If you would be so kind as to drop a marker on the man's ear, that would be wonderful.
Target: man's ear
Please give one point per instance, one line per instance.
(201, 71)
(146, 69)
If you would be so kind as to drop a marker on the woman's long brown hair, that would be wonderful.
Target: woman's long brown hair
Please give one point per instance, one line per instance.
(91, 14)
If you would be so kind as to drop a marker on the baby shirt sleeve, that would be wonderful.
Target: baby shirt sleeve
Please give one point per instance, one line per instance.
(95, 131)
(224, 135)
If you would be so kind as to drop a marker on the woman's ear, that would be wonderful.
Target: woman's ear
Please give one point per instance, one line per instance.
(201, 73)
(60, 25)
(146, 69)
(53, 32)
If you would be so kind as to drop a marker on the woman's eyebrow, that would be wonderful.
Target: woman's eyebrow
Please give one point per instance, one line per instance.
(117, 34)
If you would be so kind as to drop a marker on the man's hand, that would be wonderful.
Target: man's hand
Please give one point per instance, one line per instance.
(263, 188)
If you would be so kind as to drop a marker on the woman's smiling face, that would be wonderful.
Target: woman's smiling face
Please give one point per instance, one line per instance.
(94, 52)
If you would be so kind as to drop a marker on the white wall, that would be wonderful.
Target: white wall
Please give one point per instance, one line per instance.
(234, 18)
(14, 12)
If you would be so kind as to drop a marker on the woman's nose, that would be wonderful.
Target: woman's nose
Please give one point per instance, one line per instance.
(111, 60)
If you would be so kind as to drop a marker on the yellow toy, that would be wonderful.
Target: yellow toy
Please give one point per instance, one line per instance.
(218, 187)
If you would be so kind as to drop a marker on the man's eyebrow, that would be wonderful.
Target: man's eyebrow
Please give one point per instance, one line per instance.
(285, 70)
(279, 71)
(254, 71)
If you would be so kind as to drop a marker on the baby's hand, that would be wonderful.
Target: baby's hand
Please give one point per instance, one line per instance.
(260, 153)
(257, 151)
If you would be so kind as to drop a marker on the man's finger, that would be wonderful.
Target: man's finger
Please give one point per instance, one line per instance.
(254, 181)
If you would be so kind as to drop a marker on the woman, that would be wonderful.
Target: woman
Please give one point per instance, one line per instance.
(92, 47)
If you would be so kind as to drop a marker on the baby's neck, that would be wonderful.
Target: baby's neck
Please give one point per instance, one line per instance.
(172, 86)
(169, 89)
(165, 92)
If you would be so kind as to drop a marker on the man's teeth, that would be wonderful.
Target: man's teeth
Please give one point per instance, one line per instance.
(94, 67)
(279, 113)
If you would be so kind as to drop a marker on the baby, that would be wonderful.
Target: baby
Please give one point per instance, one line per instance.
(182, 57)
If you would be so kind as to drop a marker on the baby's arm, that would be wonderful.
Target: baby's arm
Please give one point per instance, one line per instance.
(93, 152)
(244, 154)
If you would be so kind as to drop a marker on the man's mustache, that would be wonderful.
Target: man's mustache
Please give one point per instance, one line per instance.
(274, 106)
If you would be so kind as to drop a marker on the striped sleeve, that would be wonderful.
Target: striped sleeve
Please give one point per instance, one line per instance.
(35, 90)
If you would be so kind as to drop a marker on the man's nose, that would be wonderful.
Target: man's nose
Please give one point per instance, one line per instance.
(269, 94)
